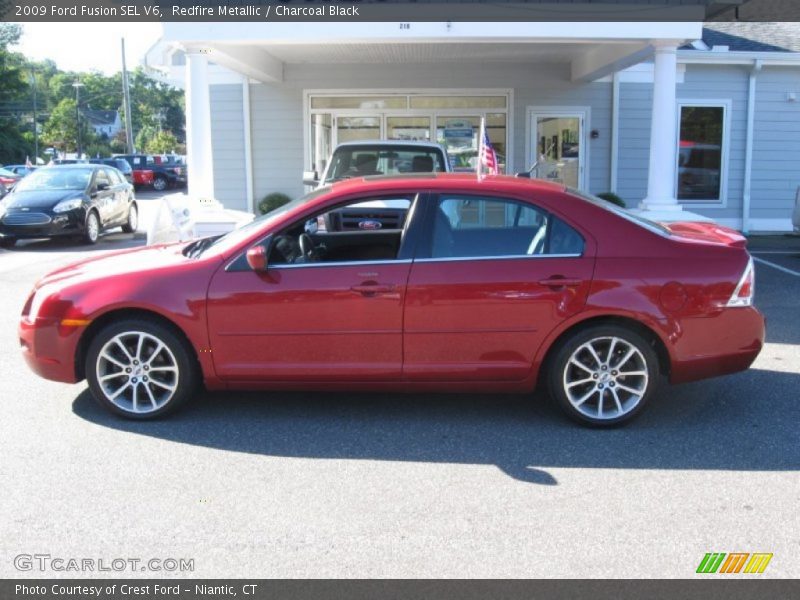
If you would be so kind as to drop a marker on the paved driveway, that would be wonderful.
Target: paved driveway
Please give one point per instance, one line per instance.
(382, 485)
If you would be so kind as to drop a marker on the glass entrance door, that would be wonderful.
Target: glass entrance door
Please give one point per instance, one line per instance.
(408, 128)
(557, 148)
(350, 129)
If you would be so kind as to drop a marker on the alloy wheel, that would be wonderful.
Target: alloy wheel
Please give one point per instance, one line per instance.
(137, 372)
(605, 378)
(133, 218)
(92, 228)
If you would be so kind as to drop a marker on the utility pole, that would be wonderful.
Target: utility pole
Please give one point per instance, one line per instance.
(78, 85)
(126, 98)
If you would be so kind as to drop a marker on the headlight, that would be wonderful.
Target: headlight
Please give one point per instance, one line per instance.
(68, 205)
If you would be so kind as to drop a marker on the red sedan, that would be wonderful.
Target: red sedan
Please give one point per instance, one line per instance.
(424, 282)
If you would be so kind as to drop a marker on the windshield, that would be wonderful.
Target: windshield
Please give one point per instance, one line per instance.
(622, 212)
(55, 179)
(363, 160)
(237, 236)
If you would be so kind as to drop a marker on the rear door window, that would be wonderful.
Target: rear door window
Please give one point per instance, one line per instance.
(482, 227)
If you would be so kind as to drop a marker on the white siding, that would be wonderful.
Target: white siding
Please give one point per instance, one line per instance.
(776, 144)
(227, 141)
(701, 82)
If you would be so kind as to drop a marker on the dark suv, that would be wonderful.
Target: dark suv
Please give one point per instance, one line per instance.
(122, 165)
(165, 174)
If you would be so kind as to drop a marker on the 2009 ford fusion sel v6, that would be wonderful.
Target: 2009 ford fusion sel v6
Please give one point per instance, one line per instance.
(462, 285)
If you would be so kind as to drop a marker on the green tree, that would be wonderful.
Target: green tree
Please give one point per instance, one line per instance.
(162, 142)
(13, 95)
(61, 129)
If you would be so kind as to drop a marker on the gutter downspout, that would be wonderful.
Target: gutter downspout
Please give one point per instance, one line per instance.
(748, 152)
(248, 144)
(614, 131)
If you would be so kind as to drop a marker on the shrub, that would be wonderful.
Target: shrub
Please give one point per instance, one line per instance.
(272, 201)
(613, 198)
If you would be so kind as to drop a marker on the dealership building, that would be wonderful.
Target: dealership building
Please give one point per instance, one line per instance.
(679, 119)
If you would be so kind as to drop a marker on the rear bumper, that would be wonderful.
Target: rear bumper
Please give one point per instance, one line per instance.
(49, 348)
(724, 343)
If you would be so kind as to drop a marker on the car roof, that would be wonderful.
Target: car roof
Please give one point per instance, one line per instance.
(436, 181)
(389, 143)
(86, 165)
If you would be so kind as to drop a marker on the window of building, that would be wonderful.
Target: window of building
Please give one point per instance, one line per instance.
(702, 152)
(453, 120)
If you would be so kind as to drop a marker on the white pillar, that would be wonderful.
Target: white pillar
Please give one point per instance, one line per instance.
(199, 154)
(663, 133)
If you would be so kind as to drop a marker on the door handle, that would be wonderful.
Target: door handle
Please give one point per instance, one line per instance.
(371, 289)
(557, 281)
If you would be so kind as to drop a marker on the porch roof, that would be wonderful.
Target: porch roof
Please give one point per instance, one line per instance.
(260, 51)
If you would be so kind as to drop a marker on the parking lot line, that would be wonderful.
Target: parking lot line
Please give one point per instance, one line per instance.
(774, 266)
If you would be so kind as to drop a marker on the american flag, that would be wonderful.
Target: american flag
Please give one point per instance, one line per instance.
(487, 157)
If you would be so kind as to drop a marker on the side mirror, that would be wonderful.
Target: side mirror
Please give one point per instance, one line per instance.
(257, 258)
(102, 187)
(310, 178)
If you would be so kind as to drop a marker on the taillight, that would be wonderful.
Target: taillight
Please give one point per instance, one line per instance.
(743, 294)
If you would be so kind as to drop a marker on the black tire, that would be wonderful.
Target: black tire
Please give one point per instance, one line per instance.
(132, 223)
(605, 398)
(91, 232)
(160, 183)
(7, 242)
(153, 397)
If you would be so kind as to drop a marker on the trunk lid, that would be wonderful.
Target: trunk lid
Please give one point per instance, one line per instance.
(709, 233)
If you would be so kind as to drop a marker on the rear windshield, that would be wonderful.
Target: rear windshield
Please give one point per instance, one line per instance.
(621, 212)
(362, 161)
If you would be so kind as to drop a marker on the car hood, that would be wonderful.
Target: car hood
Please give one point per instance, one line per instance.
(123, 262)
(40, 199)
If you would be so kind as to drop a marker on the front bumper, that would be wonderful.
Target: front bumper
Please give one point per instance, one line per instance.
(49, 348)
(70, 223)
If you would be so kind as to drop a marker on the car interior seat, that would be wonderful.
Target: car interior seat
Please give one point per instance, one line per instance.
(422, 163)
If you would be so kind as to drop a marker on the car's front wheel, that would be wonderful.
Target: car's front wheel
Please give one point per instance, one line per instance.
(160, 183)
(603, 375)
(91, 232)
(7, 242)
(140, 369)
(132, 223)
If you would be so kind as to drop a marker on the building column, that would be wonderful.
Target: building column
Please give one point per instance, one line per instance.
(663, 133)
(199, 152)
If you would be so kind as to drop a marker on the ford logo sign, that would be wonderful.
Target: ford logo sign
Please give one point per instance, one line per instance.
(371, 225)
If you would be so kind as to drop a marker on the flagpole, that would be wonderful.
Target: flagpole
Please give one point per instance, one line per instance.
(481, 150)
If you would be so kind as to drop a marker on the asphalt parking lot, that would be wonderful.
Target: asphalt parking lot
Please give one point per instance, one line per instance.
(382, 485)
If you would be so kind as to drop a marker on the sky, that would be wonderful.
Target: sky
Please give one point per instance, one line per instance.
(88, 46)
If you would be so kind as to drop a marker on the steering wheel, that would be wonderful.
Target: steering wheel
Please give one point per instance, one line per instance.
(308, 248)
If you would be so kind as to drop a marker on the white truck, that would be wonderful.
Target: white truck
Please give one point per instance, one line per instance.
(371, 158)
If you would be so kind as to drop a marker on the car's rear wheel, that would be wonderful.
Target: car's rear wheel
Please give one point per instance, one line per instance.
(160, 183)
(140, 369)
(92, 231)
(133, 220)
(603, 375)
